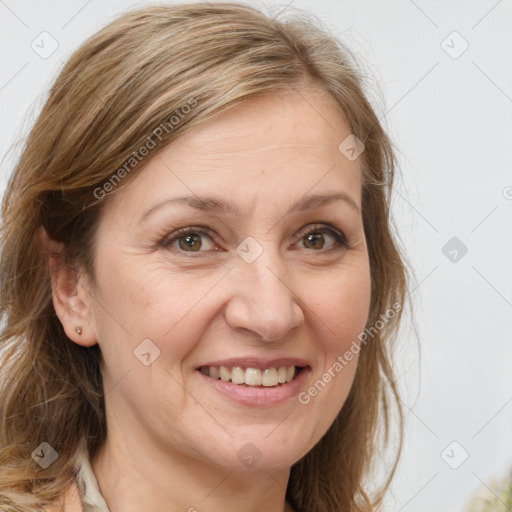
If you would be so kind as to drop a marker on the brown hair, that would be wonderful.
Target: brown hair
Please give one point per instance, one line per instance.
(107, 102)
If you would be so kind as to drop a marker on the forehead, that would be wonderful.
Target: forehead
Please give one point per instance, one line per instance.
(309, 118)
(279, 145)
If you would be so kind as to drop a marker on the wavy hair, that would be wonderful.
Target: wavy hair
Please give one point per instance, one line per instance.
(115, 90)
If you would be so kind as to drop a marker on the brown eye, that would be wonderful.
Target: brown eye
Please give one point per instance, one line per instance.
(318, 239)
(314, 241)
(188, 240)
(192, 242)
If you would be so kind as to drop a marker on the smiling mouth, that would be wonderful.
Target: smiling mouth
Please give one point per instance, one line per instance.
(253, 377)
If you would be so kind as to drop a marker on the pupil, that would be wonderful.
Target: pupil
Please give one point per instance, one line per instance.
(315, 238)
(191, 242)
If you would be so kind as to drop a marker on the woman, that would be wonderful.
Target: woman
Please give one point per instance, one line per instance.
(200, 284)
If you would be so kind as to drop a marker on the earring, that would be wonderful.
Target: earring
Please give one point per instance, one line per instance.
(78, 330)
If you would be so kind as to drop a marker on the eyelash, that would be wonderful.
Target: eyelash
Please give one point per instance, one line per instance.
(341, 242)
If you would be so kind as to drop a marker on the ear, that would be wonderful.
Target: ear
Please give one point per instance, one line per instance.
(71, 299)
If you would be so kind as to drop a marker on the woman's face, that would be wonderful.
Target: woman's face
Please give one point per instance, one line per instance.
(260, 277)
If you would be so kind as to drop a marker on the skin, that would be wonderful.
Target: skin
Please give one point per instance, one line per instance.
(172, 439)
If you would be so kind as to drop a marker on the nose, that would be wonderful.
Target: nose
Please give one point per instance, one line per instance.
(264, 303)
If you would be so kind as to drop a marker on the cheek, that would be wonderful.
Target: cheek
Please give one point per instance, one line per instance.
(342, 305)
(339, 315)
(341, 312)
(146, 300)
(143, 299)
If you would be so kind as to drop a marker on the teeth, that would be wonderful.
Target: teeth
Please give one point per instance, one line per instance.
(224, 373)
(268, 377)
(252, 376)
(237, 375)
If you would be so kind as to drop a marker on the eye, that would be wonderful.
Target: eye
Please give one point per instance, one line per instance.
(320, 238)
(317, 238)
(188, 239)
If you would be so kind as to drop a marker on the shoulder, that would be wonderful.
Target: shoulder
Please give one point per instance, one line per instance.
(71, 500)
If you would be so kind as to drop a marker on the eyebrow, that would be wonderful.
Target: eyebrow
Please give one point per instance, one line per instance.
(221, 206)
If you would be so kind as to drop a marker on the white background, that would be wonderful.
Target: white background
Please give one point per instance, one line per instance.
(451, 120)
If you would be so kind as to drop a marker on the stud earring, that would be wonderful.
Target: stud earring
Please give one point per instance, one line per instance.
(78, 330)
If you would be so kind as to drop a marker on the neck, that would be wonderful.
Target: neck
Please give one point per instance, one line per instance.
(133, 476)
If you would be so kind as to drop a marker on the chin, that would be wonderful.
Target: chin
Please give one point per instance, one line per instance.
(255, 455)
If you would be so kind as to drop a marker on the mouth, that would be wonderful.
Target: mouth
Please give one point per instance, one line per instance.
(253, 377)
(255, 381)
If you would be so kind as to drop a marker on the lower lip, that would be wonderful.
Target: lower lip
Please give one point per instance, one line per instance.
(259, 396)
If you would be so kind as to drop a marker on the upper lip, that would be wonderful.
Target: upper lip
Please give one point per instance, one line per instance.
(257, 362)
